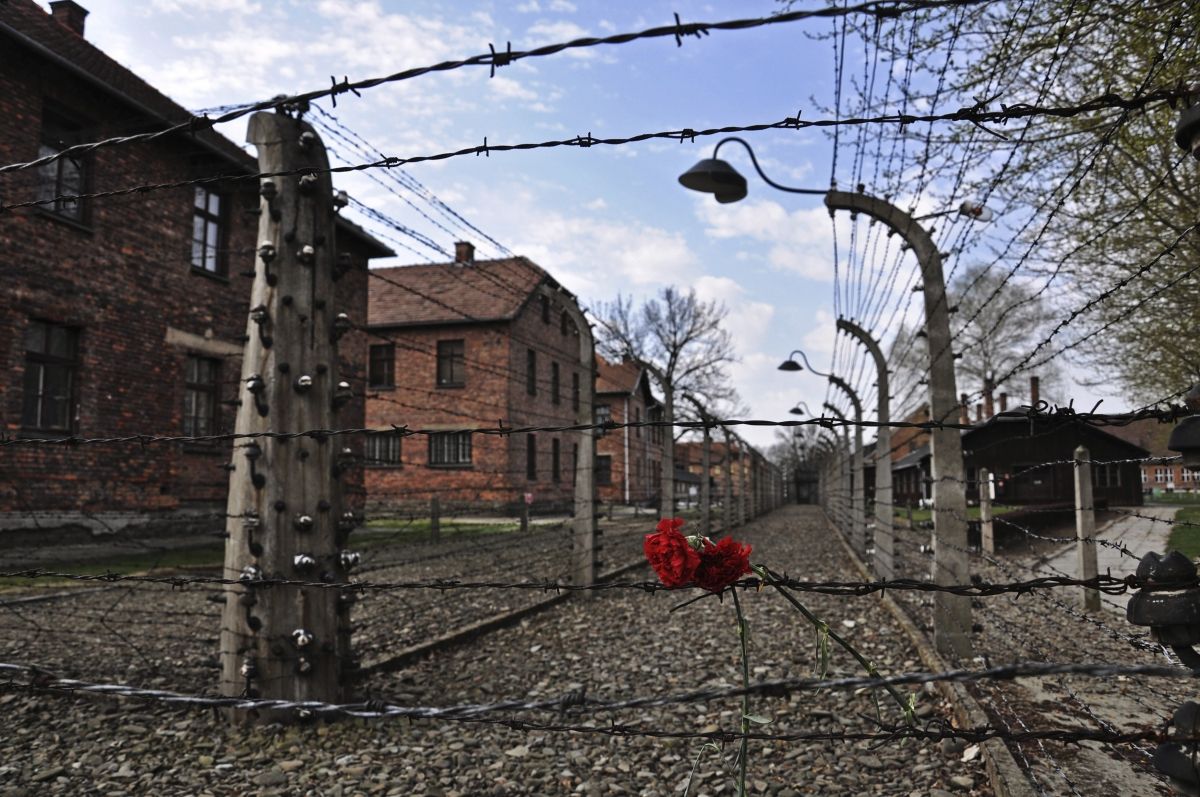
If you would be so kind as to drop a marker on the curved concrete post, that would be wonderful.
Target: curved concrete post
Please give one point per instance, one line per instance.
(885, 540)
(858, 534)
(951, 613)
(846, 487)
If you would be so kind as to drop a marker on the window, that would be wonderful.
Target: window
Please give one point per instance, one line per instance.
(575, 391)
(554, 397)
(208, 231)
(50, 367)
(383, 450)
(545, 300)
(531, 457)
(531, 372)
(1189, 475)
(381, 366)
(450, 449)
(555, 460)
(637, 418)
(1160, 475)
(564, 322)
(574, 462)
(200, 396)
(451, 363)
(603, 416)
(1145, 478)
(655, 415)
(65, 176)
(604, 469)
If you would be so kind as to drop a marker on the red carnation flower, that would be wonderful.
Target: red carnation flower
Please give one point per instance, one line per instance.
(722, 564)
(668, 551)
(670, 524)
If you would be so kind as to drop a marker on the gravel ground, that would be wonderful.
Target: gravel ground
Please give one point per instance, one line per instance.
(614, 644)
(1050, 626)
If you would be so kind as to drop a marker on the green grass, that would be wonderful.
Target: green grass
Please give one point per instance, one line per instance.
(376, 533)
(209, 555)
(1186, 538)
(1174, 498)
(921, 515)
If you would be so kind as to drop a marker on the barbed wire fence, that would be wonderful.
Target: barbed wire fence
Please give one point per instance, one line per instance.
(418, 570)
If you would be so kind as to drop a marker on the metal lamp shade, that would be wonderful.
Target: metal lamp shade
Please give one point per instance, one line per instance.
(717, 177)
(790, 365)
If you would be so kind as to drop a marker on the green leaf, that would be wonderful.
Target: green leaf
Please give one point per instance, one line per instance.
(758, 719)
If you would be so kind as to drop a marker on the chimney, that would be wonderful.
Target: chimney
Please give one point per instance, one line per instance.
(464, 253)
(964, 410)
(69, 14)
(988, 408)
(1003, 402)
(978, 413)
(1034, 393)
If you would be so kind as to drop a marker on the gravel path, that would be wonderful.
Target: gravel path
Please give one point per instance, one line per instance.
(614, 644)
(1051, 626)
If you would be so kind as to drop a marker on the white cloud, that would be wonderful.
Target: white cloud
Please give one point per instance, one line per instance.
(511, 89)
(562, 6)
(597, 204)
(207, 6)
(530, 7)
(799, 241)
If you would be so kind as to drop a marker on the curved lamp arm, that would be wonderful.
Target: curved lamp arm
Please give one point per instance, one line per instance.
(807, 364)
(762, 174)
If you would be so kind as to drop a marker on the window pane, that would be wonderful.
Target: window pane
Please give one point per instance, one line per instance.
(200, 195)
(35, 337)
(31, 407)
(61, 342)
(56, 397)
(214, 204)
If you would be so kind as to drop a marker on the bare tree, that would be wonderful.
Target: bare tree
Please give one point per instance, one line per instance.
(679, 340)
(1002, 320)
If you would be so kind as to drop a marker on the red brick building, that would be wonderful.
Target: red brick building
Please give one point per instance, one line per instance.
(1158, 477)
(464, 345)
(628, 459)
(122, 315)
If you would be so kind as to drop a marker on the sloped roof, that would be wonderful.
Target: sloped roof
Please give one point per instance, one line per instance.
(622, 377)
(450, 293)
(912, 459)
(1148, 434)
(26, 22)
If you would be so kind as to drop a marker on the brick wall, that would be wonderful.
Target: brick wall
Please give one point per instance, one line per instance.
(494, 390)
(124, 280)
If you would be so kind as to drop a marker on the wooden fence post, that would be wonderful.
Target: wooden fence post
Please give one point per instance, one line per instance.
(1085, 526)
(286, 517)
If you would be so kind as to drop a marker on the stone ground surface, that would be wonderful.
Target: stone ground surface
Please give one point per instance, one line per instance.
(615, 644)
(1050, 626)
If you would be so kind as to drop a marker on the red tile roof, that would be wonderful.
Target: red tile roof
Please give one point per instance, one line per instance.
(30, 26)
(622, 377)
(449, 293)
(25, 22)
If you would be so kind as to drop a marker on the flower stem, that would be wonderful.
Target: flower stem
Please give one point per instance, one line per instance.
(741, 620)
(820, 624)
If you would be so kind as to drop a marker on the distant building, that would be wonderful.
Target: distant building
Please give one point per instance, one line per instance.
(465, 345)
(1158, 476)
(629, 459)
(122, 315)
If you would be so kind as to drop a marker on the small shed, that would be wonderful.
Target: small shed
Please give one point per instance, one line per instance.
(1031, 461)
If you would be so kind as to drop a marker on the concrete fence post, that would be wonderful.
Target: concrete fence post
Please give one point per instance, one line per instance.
(1085, 526)
(987, 537)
